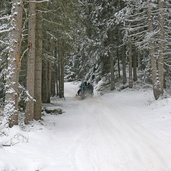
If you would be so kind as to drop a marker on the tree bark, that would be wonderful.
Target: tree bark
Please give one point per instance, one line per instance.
(11, 97)
(61, 85)
(38, 68)
(124, 66)
(118, 61)
(56, 72)
(45, 84)
(134, 62)
(161, 46)
(53, 81)
(156, 89)
(112, 77)
(49, 80)
(130, 66)
(31, 62)
(58, 76)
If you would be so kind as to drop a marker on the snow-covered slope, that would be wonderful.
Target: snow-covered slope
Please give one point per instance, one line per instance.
(119, 131)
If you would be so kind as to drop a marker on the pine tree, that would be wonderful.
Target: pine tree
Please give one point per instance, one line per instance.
(12, 75)
(31, 61)
(38, 64)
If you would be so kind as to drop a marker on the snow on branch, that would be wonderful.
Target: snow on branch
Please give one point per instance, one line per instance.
(3, 42)
(5, 30)
(6, 17)
(39, 1)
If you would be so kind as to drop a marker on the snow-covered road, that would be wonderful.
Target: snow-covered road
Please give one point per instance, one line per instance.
(120, 131)
(113, 135)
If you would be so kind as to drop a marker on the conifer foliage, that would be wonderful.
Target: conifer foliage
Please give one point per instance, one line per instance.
(43, 43)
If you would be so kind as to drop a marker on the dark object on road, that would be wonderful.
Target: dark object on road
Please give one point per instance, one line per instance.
(86, 89)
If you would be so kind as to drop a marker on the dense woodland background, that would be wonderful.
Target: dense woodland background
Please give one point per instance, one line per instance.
(111, 43)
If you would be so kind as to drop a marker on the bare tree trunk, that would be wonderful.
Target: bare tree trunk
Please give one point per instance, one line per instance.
(11, 97)
(112, 77)
(45, 82)
(61, 69)
(19, 28)
(134, 62)
(56, 72)
(118, 49)
(52, 49)
(38, 68)
(53, 82)
(124, 66)
(139, 60)
(59, 74)
(161, 46)
(118, 61)
(130, 66)
(156, 90)
(57, 78)
(49, 80)
(31, 62)
(61, 87)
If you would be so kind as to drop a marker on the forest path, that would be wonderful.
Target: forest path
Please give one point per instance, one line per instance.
(110, 134)
(119, 131)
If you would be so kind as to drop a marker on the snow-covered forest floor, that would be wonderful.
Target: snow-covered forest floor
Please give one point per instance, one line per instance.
(119, 131)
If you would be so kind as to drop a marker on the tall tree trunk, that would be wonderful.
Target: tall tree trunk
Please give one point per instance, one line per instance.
(61, 69)
(130, 66)
(57, 78)
(53, 82)
(49, 80)
(31, 62)
(112, 77)
(118, 61)
(139, 61)
(124, 66)
(52, 49)
(61, 86)
(56, 72)
(118, 49)
(161, 46)
(156, 90)
(134, 63)
(59, 72)
(11, 97)
(38, 68)
(45, 82)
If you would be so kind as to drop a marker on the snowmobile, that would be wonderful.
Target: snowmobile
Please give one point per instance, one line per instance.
(86, 90)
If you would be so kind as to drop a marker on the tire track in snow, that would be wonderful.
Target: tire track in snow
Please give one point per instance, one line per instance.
(130, 132)
(112, 141)
(96, 134)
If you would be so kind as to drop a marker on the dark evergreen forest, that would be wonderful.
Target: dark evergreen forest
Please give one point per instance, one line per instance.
(113, 44)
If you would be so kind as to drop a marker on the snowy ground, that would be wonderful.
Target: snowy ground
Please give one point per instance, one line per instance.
(119, 131)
